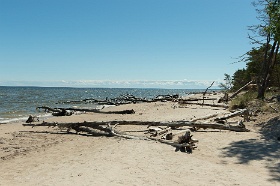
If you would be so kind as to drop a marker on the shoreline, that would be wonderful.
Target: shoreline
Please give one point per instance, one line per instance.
(20, 102)
(49, 156)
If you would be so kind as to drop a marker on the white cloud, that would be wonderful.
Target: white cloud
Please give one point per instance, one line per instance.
(180, 84)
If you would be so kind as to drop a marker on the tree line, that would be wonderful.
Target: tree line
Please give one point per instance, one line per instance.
(262, 62)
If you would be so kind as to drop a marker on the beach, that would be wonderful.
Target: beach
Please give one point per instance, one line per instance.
(51, 156)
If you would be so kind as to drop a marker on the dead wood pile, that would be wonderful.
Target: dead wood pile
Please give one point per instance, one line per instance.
(163, 132)
(67, 111)
(122, 99)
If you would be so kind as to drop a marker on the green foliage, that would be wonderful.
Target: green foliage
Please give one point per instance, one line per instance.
(243, 100)
(239, 79)
(248, 100)
(262, 63)
(228, 83)
(272, 10)
(254, 60)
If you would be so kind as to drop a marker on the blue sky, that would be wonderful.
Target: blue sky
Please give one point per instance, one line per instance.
(122, 43)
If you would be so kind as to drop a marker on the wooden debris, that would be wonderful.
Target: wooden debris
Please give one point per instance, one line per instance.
(206, 91)
(32, 119)
(156, 131)
(245, 112)
(62, 111)
(122, 99)
(204, 104)
(188, 144)
(204, 117)
(239, 90)
(236, 128)
(95, 128)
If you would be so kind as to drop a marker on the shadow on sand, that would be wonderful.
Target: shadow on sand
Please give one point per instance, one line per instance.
(266, 149)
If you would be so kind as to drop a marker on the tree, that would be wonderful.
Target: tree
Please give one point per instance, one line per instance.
(239, 79)
(228, 83)
(270, 30)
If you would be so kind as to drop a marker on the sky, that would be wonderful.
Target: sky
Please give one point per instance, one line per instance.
(122, 43)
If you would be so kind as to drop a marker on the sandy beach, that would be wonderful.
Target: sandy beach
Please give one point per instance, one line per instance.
(49, 156)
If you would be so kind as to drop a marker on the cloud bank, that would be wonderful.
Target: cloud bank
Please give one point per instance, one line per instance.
(172, 84)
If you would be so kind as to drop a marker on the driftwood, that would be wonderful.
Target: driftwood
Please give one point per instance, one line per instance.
(186, 139)
(59, 110)
(206, 91)
(49, 109)
(56, 111)
(93, 124)
(204, 104)
(32, 119)
(197, 99)
(122, 99)
(185, 143)
(204, 117)
(155, 131)
(245, 112)
(239, 90)
(94, 128)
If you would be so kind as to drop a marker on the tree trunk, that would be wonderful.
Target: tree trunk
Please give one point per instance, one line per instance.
(268, 64)
(100, 125)
(239, 90)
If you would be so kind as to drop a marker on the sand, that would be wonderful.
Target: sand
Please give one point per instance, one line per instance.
(48, 156)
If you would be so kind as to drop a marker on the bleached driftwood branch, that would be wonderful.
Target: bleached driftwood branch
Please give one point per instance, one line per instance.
(245, 112)
(95, 128)
(95, 124)
(203, 104)
(239, 90)
(58, 110)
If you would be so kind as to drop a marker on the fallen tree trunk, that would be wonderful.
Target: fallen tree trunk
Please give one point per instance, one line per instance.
(198, 99)
(204, 117)
(236, 113)
(204, 104)
(236, 128)
(109, 131)
(73, 109)
(87, 110)
(239, 90)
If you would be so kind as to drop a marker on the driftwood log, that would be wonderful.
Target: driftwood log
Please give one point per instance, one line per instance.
(93, 124)
(122, 99)
(203, 104)
(59, 110)
(205, 117)
(239, 90)
(243, 112)
(31, 119)
(198, 99)
(106, 129)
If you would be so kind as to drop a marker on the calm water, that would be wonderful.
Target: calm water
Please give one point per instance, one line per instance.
(16, 103)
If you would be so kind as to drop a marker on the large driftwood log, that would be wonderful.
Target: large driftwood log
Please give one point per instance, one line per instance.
(58, 110)
(93, 124)
(204, 104)
(197, 99)
(239, 90)
(108, 130)
(46, 108)
(245, 112)
(204, 117)
(122, 99)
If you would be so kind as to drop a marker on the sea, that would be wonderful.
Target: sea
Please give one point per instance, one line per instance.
(17, 103)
